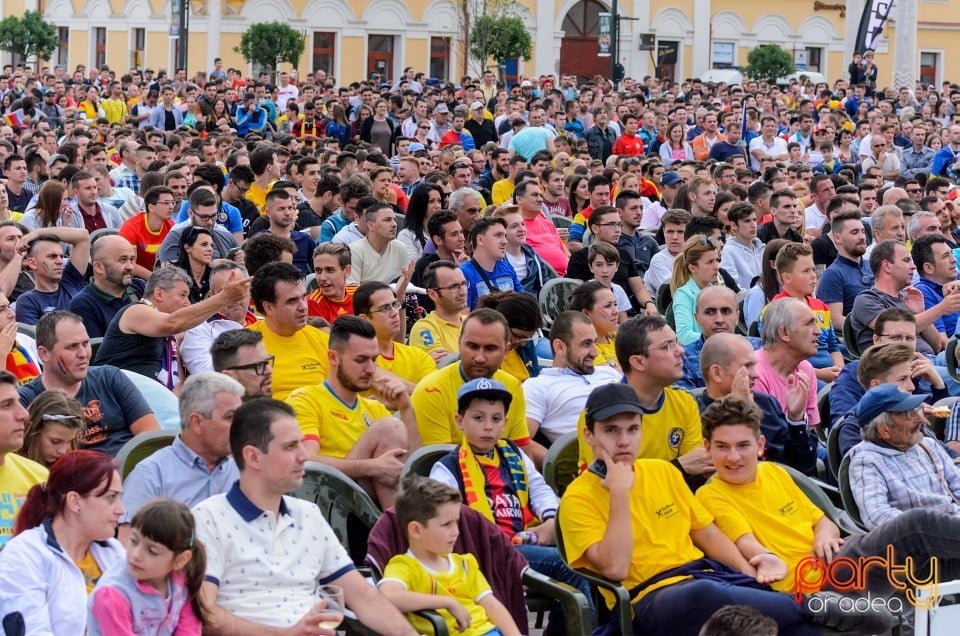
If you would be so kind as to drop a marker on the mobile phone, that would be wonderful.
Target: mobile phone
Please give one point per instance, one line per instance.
(598, 468)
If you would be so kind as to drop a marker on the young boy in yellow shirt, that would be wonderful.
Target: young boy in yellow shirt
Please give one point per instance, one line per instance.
(429, 576)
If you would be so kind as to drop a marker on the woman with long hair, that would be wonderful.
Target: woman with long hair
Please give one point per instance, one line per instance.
(721, 205)
(378, 130)
(577, 192)
(53, 209)
(675, 146)
(339, 126)
(768, 287)
(63, 541)
(220, 115)
(196, 254)
(599, 303)
(694, 268)
(363, 114)
(425, 201)
(421, 136)
(51, 431)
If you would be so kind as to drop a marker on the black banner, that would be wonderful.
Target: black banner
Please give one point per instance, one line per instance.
(875, 13)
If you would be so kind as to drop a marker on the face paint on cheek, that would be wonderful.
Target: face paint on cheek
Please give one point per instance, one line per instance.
(61, 365)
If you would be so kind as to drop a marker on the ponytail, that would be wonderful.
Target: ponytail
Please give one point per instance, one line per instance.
(195, 570)
(35, 508)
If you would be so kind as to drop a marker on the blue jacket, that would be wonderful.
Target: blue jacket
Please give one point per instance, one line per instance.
(251, 122)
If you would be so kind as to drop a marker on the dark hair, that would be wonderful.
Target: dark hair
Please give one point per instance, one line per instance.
(417, 210)
(223, 351)
(584, 296)
(738, 620)
(264, 286)
(481, 226)
(153, 194)
(251, 425)
(730, 410)
(430, 273)
(878, 360)
(211, 174)
(202, 196)
(261, 158)
(632, 338)
(521, 309)
(46, 334)
(883, 251)
(265, 248)
(625, 197)
(740, 211)
(597, 215)
(190, 237)
(171, 524)
(344, 327)
(361, 297)
(418, 500)
(922, 250)
(487, 316)
(893, 314)
(86, 472)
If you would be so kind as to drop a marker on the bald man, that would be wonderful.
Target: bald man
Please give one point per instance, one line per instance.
(892, 195)
(113, 286)
(728, 363)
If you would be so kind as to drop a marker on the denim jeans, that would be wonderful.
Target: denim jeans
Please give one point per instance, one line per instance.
(683, 608)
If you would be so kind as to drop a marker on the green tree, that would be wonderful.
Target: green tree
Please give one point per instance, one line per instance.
(769, 61)
(267, 44)
(29, 36)
(497, 31)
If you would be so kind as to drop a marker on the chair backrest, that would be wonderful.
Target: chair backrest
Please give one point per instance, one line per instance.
(401, 221)
(820, 499)
(754, 330)
(823, 407)
(669, 317)
(28, 330)
(951, 356)
(833, 450)
(846, 492)
(422, 460)
(140, 447)
(561, 221)
(850, 339)
(561, 466)
(104, 231)
(311, 282)
(664, 297)
(349, 510)
(554, 296)
(448, 359)
(165, 405)
(939, 424)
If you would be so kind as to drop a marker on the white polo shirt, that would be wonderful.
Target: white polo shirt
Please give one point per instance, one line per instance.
(556, 397)
(266, 567)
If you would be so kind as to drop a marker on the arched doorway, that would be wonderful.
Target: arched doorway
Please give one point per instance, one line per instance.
(578, 49)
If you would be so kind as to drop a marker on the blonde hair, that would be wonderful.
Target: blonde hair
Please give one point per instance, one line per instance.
(693, 250)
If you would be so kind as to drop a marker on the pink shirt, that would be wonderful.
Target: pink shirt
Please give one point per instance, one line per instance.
(770, 382)
(542, 236)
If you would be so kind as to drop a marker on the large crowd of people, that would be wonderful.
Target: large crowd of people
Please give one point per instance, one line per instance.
(316, 270)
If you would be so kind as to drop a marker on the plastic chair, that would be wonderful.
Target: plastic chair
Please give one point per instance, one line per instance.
(95, 346)
(347, 507)
(622, 608)
(28, 330)
(846, 492)
(422, 460)
(754, 330)
(104, 231)
(311, 282)
(401, 221)
(823, 406)
(140, 447)
(939, 424)
(664, 298)
(951, 355)
(815, 492)
(561, 465)
(850, 339)
(450, 358)
(165, 405)
(670, 318)
(833, 451)
(561, 221)
(554, 296)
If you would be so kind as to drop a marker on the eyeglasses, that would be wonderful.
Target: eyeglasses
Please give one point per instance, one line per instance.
(669, 346)
(897, 337)
(519, 339)
(914, 190)
(385, 309)
(260, 367)
(204, 217)
(616, 224)
(423, 127)
(453, 289)
(170, 202)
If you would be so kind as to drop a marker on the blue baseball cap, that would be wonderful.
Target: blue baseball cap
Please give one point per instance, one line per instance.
(484, 389)
(670, 178)
(886, 398)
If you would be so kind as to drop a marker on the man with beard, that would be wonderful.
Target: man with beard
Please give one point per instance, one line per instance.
(113, 286)
(355, 434)
(556, 397)
(240, 354)
(848, 275)
(55, 283)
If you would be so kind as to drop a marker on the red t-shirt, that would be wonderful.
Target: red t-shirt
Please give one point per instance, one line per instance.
(146, 242)
(629, 145)
(321, 306)
(542, 236)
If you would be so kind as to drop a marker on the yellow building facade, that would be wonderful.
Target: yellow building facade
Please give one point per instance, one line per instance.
(351, 39)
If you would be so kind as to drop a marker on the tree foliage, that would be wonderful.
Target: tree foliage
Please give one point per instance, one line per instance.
(267, 44)
(500, 33)
(769, 61)
(28, 36)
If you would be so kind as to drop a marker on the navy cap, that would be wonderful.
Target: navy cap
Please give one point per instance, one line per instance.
(484, 389)
(612, 399)
(886, 398)
(670, 178)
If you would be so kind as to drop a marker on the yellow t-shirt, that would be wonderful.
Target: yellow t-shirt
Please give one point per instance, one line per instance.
(410, 363)
(301, 358)
(433, 332)
(502, 191)
(435, 403)
(606, 354)
(115, 110)
(258, 196)
(17, 476)
(772, 508)
(91, 571)
(331, 422)
(513, 364)
(663, 511)
(670, 432)
(463, 581)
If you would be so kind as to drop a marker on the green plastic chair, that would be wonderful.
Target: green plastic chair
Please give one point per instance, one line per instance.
(850, 339)
(823, 407)
(664, 298)
(669, 317)
(422, 460)
(816, 493)
(140, 447)
(846, 492)
(347, 507)
(561, 465)
(951, 355)
(561, 221)
(622, 608)
(833, 451)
